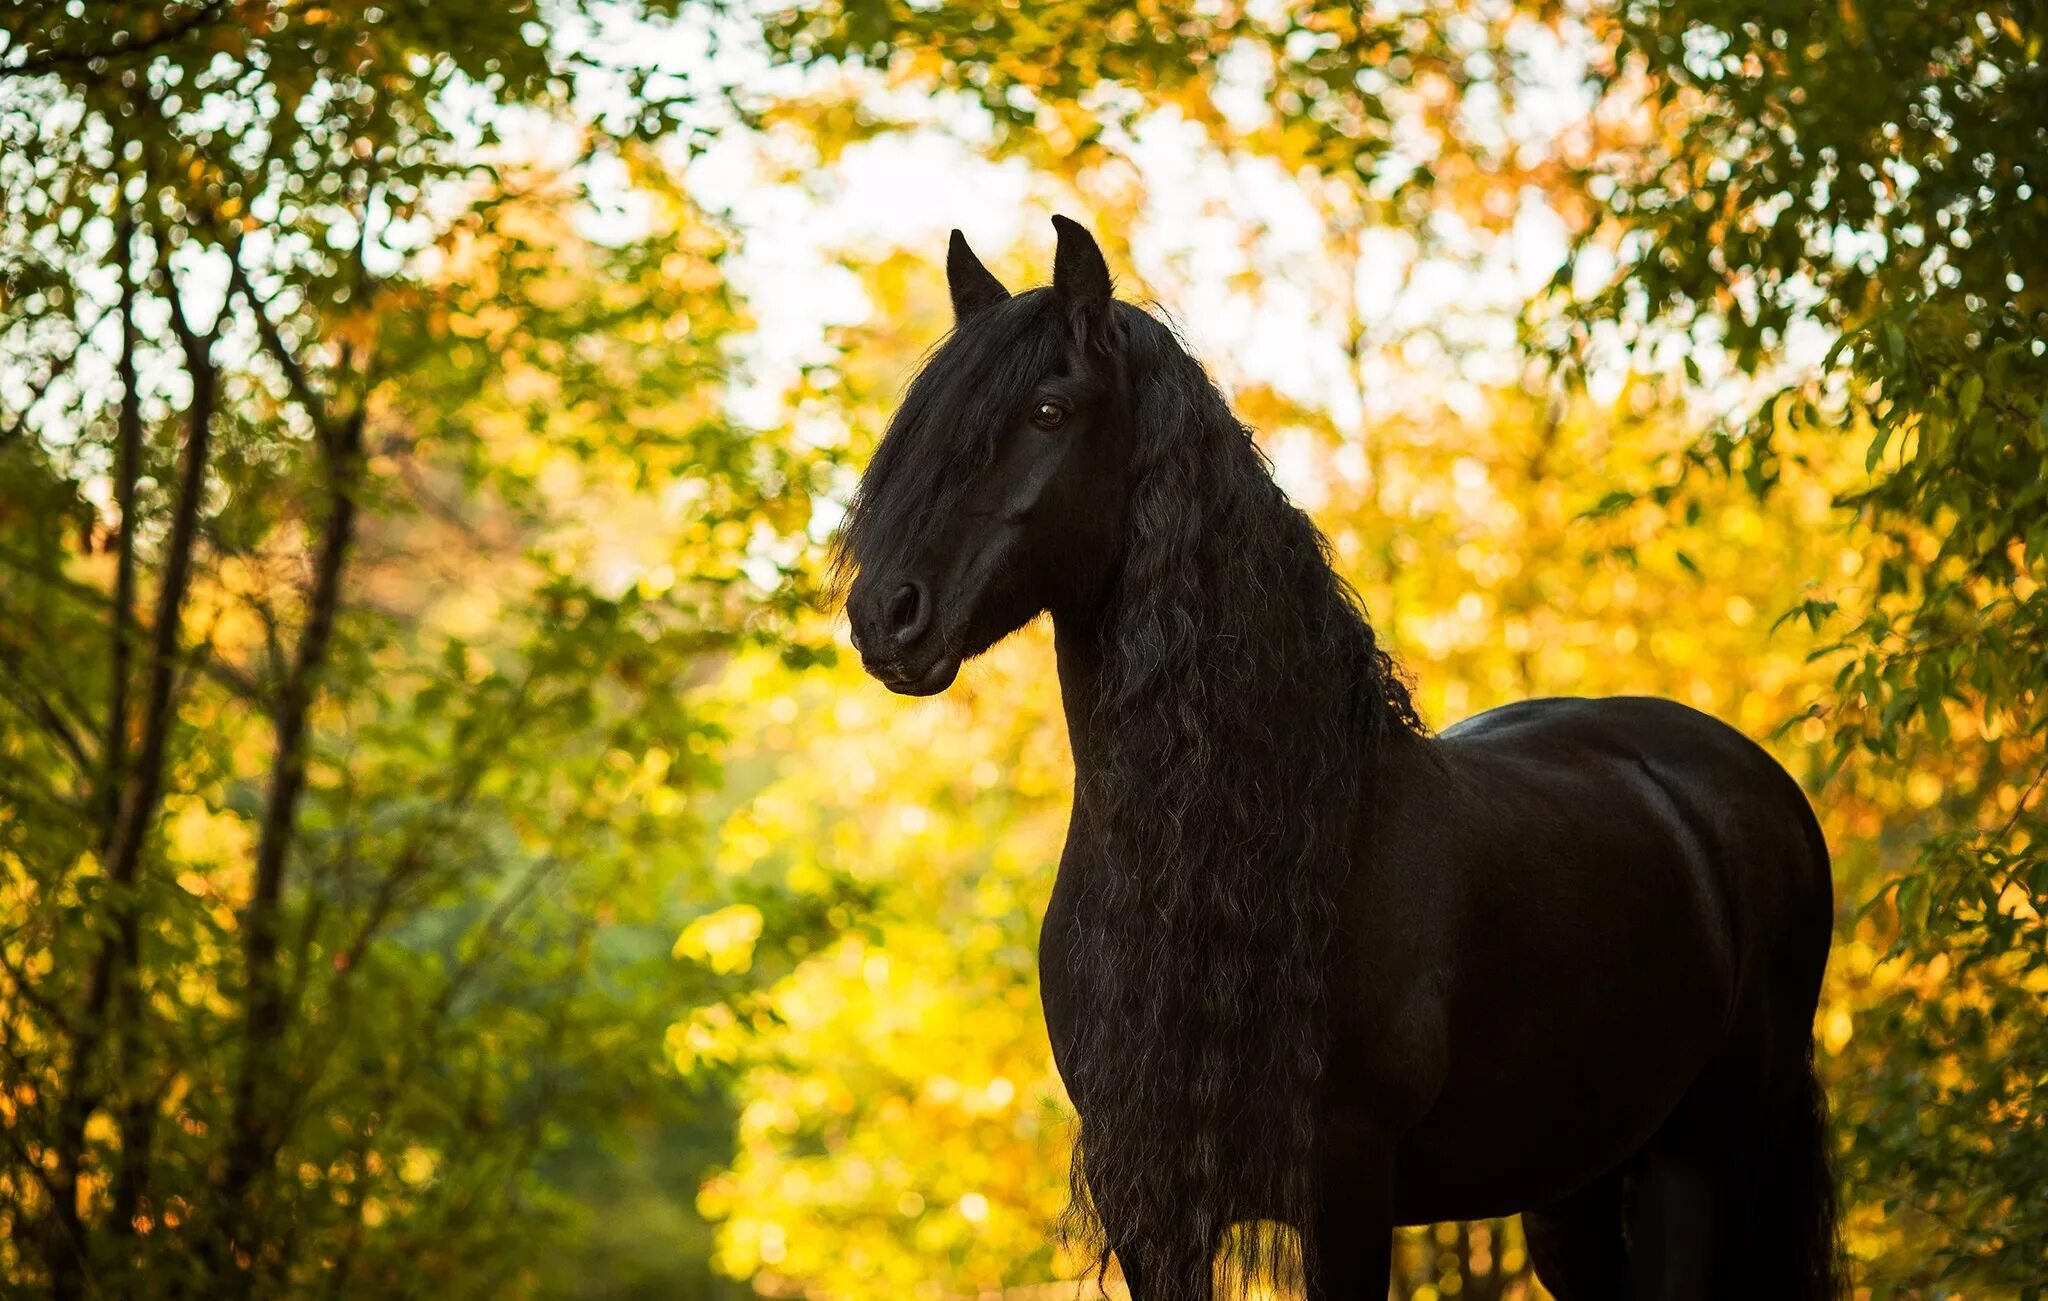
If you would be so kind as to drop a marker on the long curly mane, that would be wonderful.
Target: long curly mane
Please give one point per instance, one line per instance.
(1242, 701)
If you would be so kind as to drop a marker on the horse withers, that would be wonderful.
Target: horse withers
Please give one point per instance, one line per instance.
(1309, 971)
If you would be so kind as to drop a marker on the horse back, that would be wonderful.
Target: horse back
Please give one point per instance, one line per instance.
(1726, 808)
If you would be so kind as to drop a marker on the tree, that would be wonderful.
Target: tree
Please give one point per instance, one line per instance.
(1873, 173)
(402, 642)
(343, 728)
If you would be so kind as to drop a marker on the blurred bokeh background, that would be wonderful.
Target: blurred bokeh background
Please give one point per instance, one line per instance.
(444, 847)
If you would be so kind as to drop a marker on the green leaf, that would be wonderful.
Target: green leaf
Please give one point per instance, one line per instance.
(1613, 503)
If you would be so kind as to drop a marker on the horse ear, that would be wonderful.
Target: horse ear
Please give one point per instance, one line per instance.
(1078, 271)
(972, 286)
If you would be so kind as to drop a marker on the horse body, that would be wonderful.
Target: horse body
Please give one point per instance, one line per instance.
(1573, 930)
(1304, 963)
(1631, 868)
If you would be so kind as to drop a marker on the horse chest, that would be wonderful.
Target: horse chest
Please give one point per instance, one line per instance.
(1064, 930)
(1072, 941)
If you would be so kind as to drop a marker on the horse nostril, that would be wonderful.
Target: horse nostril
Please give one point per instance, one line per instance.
(906, 612)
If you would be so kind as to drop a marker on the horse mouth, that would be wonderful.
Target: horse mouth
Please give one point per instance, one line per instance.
(929, 681)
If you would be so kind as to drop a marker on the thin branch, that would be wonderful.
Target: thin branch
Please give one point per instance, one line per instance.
(56, 60)
(26, 990)
(40, 707)
(235, 680)
(448, 811)
(294, 373)
(58, 369)
(26, 1160)
(424, 1044)
(197, 343)
(127, 470)
(451, 807)
(83, 594)
(492, 927)
(36, 794)
(136, 1114)
(2019, 809)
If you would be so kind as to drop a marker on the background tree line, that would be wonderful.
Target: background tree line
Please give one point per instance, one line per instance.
(441, 851)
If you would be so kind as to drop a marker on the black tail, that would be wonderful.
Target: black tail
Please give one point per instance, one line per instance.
(1793, 1226)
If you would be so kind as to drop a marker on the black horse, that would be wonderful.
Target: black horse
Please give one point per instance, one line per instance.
(1309, 971)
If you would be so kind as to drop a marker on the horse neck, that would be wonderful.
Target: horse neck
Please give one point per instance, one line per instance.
(1085, 656)
(1081, 656)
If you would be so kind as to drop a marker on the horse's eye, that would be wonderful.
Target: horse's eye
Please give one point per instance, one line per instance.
(1049, 414)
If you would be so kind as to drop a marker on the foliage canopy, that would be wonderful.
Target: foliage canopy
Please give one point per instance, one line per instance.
(404, 637)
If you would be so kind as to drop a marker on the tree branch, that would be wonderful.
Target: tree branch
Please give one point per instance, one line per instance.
(137, 1110)
(139, 805)
(25, 989)
(127, 469)
(143, 789)
(251, 1140)
(44, 711)
(424, 1042)
(59, 367)
(57, 60)
(447, 813)
(294, 373)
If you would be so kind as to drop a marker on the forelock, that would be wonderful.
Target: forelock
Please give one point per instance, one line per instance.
(945, 429)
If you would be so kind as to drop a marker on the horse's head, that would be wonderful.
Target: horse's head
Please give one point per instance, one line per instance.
(998, 492)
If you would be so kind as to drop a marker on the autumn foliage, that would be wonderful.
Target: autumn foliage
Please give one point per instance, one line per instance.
(443, 850)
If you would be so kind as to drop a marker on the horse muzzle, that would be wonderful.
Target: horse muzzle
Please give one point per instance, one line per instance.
(894, 633)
